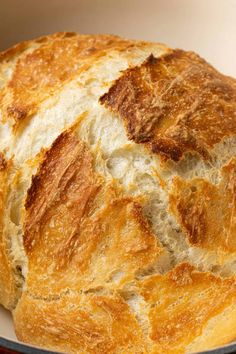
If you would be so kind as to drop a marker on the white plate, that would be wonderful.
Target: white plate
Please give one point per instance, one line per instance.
(6, 325)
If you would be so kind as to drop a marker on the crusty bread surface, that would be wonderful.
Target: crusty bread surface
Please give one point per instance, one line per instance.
(117, 196)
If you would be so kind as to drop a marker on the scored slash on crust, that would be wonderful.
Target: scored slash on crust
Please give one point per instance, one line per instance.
(175, 104)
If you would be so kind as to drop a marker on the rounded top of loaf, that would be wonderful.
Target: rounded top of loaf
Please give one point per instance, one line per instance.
(117, 196)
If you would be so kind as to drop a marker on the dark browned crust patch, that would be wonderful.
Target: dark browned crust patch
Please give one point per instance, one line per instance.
(207, 212)
(175, 104)
(3, 162)
(66, 162)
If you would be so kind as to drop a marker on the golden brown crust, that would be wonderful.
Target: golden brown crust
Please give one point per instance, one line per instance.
(86, 324)
(181, 303)
(5, 273)
(207, 212)
(42, 72)
(18, 48)
(97, 223)
(175, 104)
(105, 245)
(3, 163)
(8, 284)
(65, 161)
(98, 237)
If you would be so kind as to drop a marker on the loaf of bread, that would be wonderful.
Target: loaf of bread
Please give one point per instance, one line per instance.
(117, 196)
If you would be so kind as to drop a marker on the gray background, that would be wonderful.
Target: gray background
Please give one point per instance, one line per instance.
(206, 26)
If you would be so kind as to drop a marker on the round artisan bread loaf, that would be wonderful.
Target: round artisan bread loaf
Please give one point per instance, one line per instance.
(117, 196)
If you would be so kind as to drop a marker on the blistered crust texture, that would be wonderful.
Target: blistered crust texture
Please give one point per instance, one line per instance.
(167, 103)
(117, 196)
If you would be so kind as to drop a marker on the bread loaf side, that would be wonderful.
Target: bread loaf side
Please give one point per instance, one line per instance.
(117, 196)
